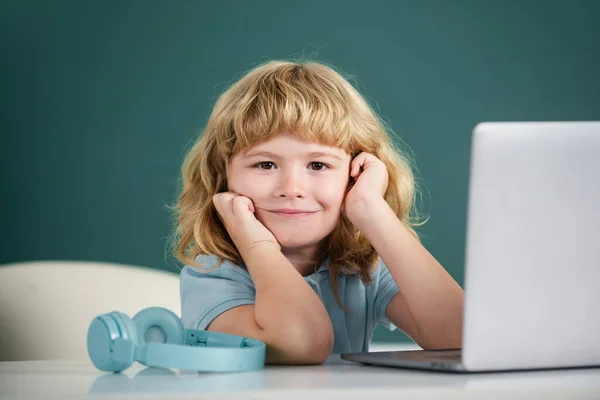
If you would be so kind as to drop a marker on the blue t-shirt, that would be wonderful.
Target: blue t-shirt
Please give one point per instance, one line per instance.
(206, 295)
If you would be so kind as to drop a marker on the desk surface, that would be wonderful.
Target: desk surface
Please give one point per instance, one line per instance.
(334, 379)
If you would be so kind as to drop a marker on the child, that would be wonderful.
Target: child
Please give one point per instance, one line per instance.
(296, 223)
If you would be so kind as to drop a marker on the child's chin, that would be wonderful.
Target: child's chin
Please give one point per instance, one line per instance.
(291, 241)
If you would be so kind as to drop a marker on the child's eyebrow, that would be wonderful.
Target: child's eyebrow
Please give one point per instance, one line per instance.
(260, 153)
(325, 154)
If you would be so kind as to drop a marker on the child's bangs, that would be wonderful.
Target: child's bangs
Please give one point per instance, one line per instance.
(313, 111)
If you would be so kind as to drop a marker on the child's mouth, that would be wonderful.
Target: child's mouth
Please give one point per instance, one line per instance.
(292, 213)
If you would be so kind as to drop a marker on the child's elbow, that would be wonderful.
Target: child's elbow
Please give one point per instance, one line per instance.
(318, 347)
(301, 347)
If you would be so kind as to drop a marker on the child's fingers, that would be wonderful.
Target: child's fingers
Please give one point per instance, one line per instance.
(355, 169)
(242, 204)
(224, 203)
(354, 166)
(357, 163)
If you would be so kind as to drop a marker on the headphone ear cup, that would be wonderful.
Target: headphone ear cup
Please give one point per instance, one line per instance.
(102, 333)
(157, 324)
(127, 326)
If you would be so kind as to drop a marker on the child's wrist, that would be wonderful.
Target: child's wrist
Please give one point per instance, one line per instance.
(260, 249)
(364, 211)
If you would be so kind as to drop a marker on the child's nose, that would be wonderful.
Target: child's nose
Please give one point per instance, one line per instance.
(290, 185)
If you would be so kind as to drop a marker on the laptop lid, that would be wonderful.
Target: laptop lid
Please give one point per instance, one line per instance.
(532, 274)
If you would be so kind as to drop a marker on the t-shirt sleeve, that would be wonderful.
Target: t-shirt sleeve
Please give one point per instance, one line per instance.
(207, 292)
(386, 289)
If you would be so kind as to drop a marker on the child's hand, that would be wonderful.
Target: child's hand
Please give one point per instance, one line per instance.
(237, 214)
(371, 179)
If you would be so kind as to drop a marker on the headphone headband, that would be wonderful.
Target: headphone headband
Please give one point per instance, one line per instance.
(218, 339)
(215, 359)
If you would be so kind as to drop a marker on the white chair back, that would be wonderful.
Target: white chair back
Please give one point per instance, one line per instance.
(46, 307)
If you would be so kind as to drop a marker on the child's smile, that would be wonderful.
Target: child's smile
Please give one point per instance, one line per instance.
(292, 213)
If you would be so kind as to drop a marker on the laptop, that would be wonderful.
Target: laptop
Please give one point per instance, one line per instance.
(532, 273)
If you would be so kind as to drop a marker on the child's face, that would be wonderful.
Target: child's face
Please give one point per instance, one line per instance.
(297, 187)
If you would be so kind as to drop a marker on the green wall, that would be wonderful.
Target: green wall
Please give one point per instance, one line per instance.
(101, 98)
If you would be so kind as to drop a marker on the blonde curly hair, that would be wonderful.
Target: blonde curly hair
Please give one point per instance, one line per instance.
(314, 102)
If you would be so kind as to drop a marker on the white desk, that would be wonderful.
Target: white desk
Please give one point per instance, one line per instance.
(335, 379)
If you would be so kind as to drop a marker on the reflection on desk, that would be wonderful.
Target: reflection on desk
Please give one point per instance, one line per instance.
(335, 379)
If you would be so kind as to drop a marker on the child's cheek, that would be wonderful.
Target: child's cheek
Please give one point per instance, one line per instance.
(335, 194)
(243, 184)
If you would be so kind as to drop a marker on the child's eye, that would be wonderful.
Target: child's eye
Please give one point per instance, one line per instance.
(317, 166)
(265, 165)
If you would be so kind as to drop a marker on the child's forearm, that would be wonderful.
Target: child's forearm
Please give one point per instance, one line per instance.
(293, 318)
(434, 299)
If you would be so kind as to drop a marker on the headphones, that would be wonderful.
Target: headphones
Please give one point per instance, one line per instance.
(155, 337)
